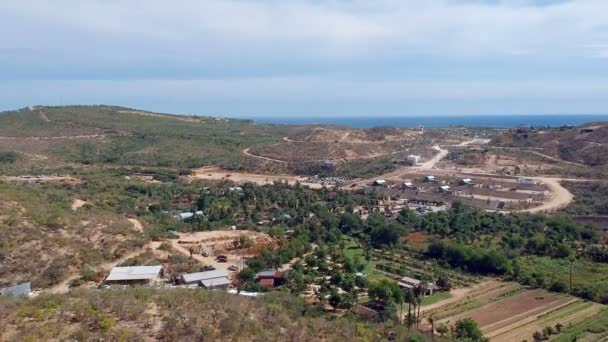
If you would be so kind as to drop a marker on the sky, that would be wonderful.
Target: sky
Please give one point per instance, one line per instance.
(313, 58)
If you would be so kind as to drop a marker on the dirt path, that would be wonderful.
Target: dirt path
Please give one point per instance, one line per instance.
(430, 164)
(249, 154)
(560, 199)
(540, 154)
(43, 115)
(90, 136)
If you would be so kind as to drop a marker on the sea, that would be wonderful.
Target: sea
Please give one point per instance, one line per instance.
(495, 121)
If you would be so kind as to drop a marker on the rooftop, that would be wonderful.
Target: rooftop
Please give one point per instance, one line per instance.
(134, 273)
(222, 281)
(199, 276)
(17, 290)
(267, 274)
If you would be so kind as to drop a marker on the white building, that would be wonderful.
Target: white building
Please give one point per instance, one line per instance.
(466, 181)
(528, 181)
(430, 178)
(445, 188)
(413, 159)
(380, 182)
(135, 275)
(210, 280)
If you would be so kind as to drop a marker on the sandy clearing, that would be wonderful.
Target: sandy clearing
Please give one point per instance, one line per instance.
(213, 242)
(213, 173)
(78, 203)
(136, 224)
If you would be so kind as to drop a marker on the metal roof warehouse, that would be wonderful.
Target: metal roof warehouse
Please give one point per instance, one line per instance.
(134, 274)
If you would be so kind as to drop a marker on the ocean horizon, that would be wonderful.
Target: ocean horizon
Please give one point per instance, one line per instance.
(496, 121)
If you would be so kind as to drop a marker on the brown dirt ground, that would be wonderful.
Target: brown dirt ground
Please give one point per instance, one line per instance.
(214, 173)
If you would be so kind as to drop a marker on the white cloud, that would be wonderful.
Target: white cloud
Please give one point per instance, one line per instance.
(316, 28)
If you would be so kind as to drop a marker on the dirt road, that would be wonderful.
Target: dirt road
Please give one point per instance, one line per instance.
(560, 198)
(248, 153)
(430, 164)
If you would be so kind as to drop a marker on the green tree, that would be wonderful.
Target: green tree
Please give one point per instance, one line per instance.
(468, 329)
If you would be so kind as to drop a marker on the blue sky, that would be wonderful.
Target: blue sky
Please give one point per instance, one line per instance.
(308, 57)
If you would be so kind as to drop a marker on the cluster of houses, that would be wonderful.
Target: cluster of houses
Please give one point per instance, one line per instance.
(209, 280)
(328, 180)
(429, 179)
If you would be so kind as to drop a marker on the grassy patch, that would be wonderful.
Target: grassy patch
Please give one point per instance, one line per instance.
(352, 250)
(435, 298)
(589, 279)
(595, 328)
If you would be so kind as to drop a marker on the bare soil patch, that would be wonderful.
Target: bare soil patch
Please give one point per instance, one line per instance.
(213, 173)
(207, 246)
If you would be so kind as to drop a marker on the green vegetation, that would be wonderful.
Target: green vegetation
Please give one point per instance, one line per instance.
(591, 329)
(435, 298)
(173, 314)
(8, 157)
(130, 137)
(589, 279)
(357, 254)
(591, 198)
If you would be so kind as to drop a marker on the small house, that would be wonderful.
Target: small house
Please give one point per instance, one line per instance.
(269, 278)
(379, 182)
(134, 275)
(466, 181)
(430, 178)
(408, 283)
(408, 185)
(413, 159)
(445, 188)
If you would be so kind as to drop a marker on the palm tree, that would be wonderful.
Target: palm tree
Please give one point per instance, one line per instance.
(431, 321)
(419, 292)
(410, 301)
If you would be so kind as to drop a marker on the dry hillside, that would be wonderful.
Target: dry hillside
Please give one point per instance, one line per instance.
(586, 144)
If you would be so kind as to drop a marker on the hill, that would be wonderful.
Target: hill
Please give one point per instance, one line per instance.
(116, 135)
(102, 135)
(178, 315)
(586, 144)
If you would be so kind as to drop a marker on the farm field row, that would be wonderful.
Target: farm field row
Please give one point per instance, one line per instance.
(510, 312)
